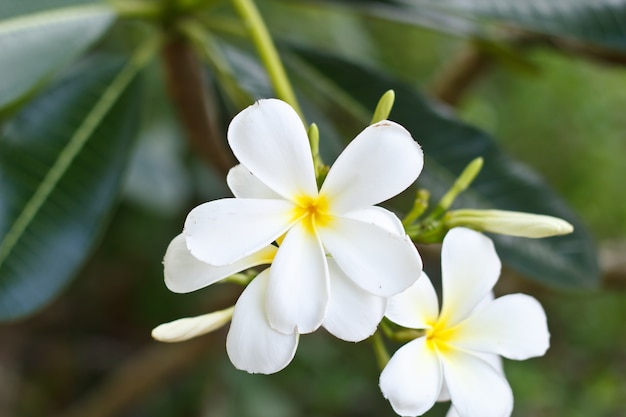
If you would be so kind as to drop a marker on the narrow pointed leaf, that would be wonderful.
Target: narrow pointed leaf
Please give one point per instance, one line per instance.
(597, 22)
(60, 169)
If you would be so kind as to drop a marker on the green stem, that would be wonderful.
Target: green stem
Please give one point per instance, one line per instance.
(267, 52)
(382, 356)
(407, 335)
(462, 182)
(419, 207)
(137, 9)
(242, 278)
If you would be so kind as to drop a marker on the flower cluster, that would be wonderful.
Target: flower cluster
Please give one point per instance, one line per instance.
(337, 260)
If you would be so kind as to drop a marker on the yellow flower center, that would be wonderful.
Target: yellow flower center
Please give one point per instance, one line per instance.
(439, 336)
(312, 211)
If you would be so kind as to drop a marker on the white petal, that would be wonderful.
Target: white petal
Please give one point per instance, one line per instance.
(486, 300)
(412, 378)
(245, 185)
(189, 327)
(353, 314)
(379, 216)
(494, 360)
(416, 307)
(378, 261)
(470, 268)
(252, 345)
(444, 395)
(223, 231)
(270, 140)
(476, 388)
(298, 290)
(513, 326)
(382, 161)
(184, 273)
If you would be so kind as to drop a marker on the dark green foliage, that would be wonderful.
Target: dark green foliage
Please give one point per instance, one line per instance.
(48, 244)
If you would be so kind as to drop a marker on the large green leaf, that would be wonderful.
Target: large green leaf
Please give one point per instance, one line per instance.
(595, 24)
(60, 169)
(599, 22)
(13, 8)
(369, 34)
(449, 145)
(34, 46)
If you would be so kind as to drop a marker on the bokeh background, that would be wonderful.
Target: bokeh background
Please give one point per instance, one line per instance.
(89, 352)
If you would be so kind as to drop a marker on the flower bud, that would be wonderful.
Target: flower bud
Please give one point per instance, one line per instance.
(384, 107)
(190, 327)
(512, 223)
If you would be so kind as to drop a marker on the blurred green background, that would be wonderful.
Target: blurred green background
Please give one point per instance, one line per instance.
(89, 353)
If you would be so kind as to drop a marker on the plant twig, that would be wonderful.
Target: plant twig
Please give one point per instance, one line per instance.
(194, 101)
(613, 265)
(453, 82)
(473, 61)
(572, 46)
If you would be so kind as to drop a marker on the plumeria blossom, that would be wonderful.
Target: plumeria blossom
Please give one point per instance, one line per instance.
(252, 345)
(458, 357)
(349, 306)
(339, 221)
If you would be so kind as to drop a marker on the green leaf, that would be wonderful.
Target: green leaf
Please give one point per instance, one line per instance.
(449, 145)
(306, 16)
(599, 23)
(36, 45)
(13, 8)
(374, 35)
(60, 169)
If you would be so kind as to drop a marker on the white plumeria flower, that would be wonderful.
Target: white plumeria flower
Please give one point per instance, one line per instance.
(353, 314)
(457, 358)
(252, 345)
(339, 220)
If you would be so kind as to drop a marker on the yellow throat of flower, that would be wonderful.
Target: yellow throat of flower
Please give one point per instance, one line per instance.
(312, 211)
(439, 336)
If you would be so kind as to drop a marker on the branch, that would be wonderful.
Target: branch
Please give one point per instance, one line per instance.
(613, 265)
(473, 61)
(596, 53)
(194, 102)
(453, 82)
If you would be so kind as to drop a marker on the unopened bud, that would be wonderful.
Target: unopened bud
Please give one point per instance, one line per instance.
(190, 327)
(511, 223)
(385, 104)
